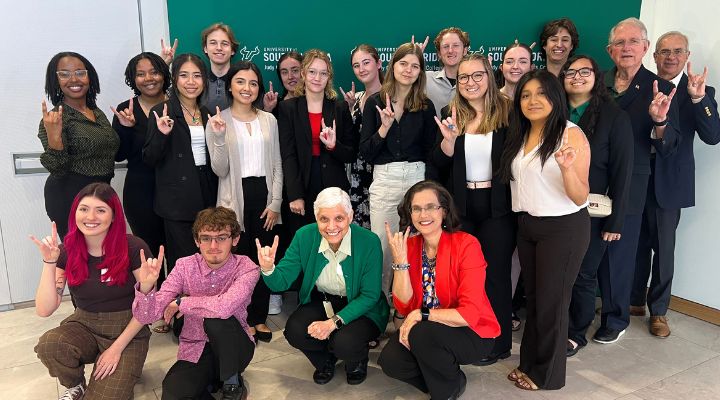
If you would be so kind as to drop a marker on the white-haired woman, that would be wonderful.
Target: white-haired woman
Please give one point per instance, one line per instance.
(342, 306)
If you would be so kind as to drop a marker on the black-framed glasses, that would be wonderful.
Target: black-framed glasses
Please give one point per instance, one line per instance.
(476, 76)
(417, 210)
(209, 239)
(64, 74)
(675, 52)
(584, 72)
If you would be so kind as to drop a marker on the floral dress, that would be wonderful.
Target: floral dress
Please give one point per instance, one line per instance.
(360, 174)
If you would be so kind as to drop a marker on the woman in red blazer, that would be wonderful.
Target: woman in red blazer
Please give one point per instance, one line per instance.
(439, 285)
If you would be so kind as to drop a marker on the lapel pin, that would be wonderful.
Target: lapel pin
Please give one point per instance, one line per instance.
(637, 87)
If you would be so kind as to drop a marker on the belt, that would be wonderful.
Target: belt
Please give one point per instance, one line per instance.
(478, 184)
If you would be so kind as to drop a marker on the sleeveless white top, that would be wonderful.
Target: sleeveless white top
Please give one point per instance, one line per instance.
(478, 157)
(537, 189)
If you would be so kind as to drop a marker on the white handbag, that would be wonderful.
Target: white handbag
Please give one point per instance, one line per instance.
(599, 205)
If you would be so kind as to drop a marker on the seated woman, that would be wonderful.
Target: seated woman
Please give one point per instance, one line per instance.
(341, 305)
(439, 284)
(100, 263)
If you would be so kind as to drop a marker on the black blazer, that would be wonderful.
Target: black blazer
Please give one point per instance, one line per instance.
(675, 174)
(611, 160)
(636, 102)
(296, 145)
(451, 171)
(178, 193)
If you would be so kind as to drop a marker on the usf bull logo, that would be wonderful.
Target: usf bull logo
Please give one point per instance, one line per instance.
(248, 55)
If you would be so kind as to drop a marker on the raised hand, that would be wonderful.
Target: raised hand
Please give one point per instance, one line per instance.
(567, 154)
(398, 244)
(168, 53)
(271, 218)
(387, 115)
(422, 45)
(126, 116)
(217, 124)
(164, 123)
(696, 83)
(266, 254)
(661, 103)
(297, 206)
(270, 99)
(150, 268)
(328, 135)
(49, 246)
(349, 96)
(448, 126)
(52, 121)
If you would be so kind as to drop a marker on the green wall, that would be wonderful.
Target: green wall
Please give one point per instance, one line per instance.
(268, 29)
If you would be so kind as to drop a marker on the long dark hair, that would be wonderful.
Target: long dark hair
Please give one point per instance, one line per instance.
(114, 246)
(178, 62)
(519, 126)
(52, 84)
(598, 93)
(499, 77)
(156, 61)
(370, 49)
(451, 220)
(290, 54)
(243, 66)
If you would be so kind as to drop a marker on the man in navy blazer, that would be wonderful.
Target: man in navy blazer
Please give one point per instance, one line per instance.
(654, 117)
(672, 182)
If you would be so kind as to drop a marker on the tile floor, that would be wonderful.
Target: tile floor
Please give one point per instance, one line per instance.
(639, 366)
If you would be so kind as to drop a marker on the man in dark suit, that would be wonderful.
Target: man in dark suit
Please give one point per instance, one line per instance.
(672, 181)
(654, 118)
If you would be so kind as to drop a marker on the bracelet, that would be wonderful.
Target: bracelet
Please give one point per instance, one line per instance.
(400, 267)
(50, 262)
(661, 123)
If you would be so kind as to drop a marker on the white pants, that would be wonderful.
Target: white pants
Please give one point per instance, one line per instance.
(390, 182)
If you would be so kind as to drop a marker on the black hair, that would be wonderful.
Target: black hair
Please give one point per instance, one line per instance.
(243, 66)
(52, 84)
(179, 61)
(598, 92)
(451, 220)
(156, 61)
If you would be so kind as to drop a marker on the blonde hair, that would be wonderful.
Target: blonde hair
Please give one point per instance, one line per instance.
(496, 109)
(310, 56)
(416, 100)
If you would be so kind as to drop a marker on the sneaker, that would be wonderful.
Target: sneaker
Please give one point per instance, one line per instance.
(275, 304)
(234, 392)
(659, 326)
(74, 393)
(607, 335)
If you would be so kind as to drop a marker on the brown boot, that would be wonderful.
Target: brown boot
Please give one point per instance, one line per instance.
(637, 311)
(659, 326)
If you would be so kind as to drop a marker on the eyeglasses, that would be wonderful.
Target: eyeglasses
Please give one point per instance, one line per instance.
(64, 75)
(476, 76)
(313, 73)
(218, 239)
(417, 210)
(584, 72)
(675, 52)
(632, 43)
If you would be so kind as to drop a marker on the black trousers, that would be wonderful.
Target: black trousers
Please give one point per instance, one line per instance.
(497, 236)
(615, 275)
(350, 343)
(551, 250)
(436, 352)
(60, 191)
(227, 353)
(582, 303)
(657, 237)
(138, 203)
(254, 203)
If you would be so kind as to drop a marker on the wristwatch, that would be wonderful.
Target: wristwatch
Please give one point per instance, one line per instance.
(177, 300)
(338, 321)
(425, 312)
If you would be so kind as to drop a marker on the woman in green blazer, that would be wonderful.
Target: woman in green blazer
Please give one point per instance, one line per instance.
(341, 303)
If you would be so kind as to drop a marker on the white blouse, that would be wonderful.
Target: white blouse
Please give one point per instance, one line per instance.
(197, 143)
(478, 160)
(250, 143)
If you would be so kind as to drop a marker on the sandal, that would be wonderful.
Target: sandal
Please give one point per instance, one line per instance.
(525, 383)
(515, 375)
(162, 328)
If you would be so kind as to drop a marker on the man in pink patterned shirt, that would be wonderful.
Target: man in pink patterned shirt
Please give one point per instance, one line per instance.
(212, 290)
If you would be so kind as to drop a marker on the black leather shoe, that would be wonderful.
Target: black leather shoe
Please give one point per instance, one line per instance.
(572, 350)
(234, 392)
(263, 336)
(325, 375)
(460, 389)
(492, 359)
(606, 335)
(356, 372)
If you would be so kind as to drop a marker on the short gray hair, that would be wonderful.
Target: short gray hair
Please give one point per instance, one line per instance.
(672, 33)
(628, 21)
(331, 197)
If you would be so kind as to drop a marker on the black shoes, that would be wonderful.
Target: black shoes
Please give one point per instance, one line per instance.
(234, 392)
(572, 349)
(262, 336)
(460, 389)
(356, 372)
(327, 372)
(606, 335)
(492, 359)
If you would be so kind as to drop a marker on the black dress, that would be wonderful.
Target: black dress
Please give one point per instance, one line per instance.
(361, 174)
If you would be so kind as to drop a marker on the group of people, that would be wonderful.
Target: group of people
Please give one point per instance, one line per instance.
(411, 195)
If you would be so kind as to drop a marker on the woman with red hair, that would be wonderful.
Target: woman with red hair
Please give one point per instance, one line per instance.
(100, 263)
